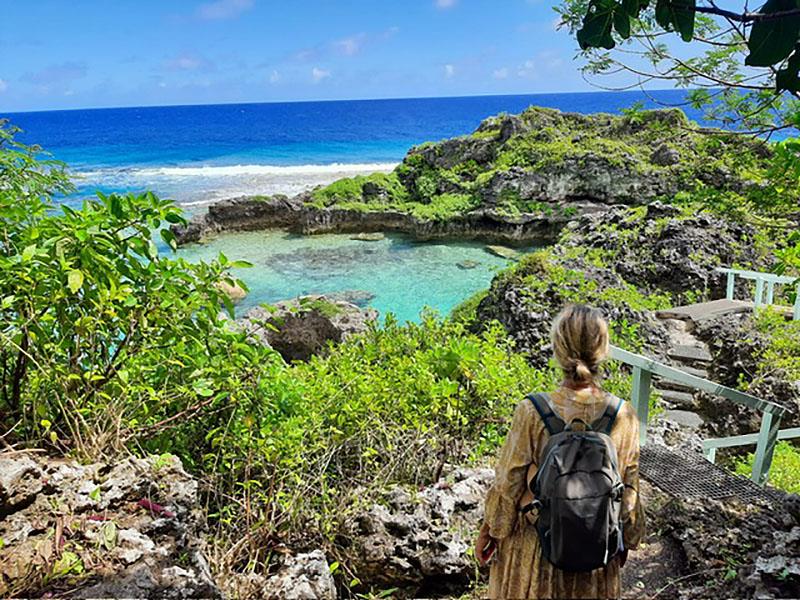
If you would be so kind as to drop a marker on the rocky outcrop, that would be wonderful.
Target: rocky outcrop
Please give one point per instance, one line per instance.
(301, 328)
(278, 212)
(130, 529)
(738, 549)
(303, 576)
(527, 299)
(736, 347)
(517, 178)
(420, 541)
(660, 247)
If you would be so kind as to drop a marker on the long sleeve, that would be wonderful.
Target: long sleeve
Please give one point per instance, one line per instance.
(633, 519)
(511, 472)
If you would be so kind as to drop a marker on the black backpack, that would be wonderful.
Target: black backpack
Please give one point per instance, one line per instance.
(578, 490)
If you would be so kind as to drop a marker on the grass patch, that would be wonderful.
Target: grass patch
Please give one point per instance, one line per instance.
(784, 473)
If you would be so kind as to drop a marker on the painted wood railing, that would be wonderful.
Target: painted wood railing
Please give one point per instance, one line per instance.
(765, 287)
(643, 370)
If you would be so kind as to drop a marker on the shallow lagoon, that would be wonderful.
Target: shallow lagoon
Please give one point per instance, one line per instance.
(404, 275)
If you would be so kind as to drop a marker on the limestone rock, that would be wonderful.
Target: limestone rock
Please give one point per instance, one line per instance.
(360, 298)
(468, 264)
(128, 529)
(301, 328)
(527, 311)
(503, 252)
(302, 577)
(736, 346)
(665, 156)
(368, 237)
(665, 249)
(420, 540)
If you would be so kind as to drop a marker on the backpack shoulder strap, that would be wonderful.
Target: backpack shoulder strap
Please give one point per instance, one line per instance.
(605, 422)
(552, 422)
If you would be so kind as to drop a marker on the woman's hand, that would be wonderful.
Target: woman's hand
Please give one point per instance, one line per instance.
(485, 546)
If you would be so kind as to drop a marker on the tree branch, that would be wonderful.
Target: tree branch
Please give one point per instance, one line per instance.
(745, 17)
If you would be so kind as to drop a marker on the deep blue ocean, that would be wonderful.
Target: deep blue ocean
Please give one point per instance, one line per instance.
(197, 154)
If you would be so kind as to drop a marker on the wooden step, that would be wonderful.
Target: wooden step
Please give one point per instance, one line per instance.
(678, 399)
(667, 384)
(689, 354)
(693, 371)
(684, 418)
(705, 310)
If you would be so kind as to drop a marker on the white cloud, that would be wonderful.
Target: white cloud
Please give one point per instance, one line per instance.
(542, 64)
(224, 9)
(350, 46)
(445, 4)
(501, 73)
(274, 77)
(449, 71)
(527, 69)
(318, 74)
(187, 62)
(3, 85)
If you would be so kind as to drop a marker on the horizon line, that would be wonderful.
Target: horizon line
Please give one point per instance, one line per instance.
(318, 101)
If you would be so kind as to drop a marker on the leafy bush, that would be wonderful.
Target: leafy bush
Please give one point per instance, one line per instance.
(782, 351)
(785, 470)
(107, 345)
(102, 339)
(351, 189)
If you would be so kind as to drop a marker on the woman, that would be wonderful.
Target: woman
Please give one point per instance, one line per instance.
(580, 345)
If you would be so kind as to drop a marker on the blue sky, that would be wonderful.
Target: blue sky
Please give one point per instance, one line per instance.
(57, 54)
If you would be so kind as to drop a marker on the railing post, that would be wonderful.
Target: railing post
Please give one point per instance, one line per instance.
(796, 312)
(767, 437)
(759, 294)
(640, 397)
(770, 292)
(731, 284)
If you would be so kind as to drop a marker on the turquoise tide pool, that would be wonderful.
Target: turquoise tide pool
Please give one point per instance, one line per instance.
(399, 274)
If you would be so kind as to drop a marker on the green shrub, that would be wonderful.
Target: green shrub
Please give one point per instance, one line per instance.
(465, 311)
(782, 351)
(442, 207)
(350, 189)
(785, 470)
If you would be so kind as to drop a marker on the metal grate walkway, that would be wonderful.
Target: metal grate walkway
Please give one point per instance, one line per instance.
(688, 474)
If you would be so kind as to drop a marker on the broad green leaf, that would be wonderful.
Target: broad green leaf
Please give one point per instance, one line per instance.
(664, 14)
(596, 30)
(75, 280)
(109, 535)
(29, 252)
(169, 238)
(116, 207)
(69, 564)
(682, 16)
(622, 23)
(631, 7)
(773, 40)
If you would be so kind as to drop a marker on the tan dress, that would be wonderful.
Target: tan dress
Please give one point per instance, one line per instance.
(517, 569)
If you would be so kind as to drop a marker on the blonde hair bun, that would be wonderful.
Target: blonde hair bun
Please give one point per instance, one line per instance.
(580, 342)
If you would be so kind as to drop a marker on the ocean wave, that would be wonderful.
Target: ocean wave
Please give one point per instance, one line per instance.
(240, 170)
